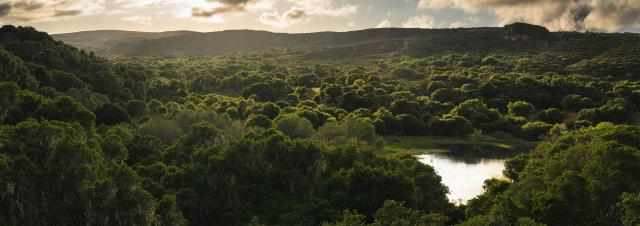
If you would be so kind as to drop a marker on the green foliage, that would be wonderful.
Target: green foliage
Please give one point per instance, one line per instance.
(137, 108)
(477, 112)
(164, 129)
(629, 207)
(289, 137)
(259, 120)
(351, 130)
(392, 213)
(534, 130)
(294, 126)
(551, 115)
(405, 73)
(580, 178)
(273, 90)
(452, 125)
(521, 108)
(111, 114)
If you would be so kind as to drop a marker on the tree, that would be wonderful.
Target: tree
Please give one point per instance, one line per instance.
(395, 213)
(476, 111)
(534, 130)
(259, 120)
(403, 106)
(141, 147)
(578, 178)
(8, 97)
(164, 129)
(204, 84)
(452, 125)
(349, 218)
(169, 212)
(65, 108)
(513, 167)
(405, 73)
(137, 108)
(272, 90)
(576, 102)
(64, 81)
(521, 108)
(551, 116)
(629, 207)
(294, 126)
(447, 95)
(111, 114)
(409, 125)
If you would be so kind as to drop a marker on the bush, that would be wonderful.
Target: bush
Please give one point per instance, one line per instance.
(164, 129)
(452, 125)
(521, 108)
(294, 126)
(534, 130)
(405, 73)
(137, 108)
(259, 121)
(551, 116)
(111, 114)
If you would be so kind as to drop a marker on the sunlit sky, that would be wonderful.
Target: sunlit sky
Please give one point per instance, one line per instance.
(294, 16)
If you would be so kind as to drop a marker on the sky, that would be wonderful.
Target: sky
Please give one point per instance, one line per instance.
(296, 16)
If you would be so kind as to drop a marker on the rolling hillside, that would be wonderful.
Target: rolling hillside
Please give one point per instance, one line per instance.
(320, 44)
(512, 38)
(101, 41)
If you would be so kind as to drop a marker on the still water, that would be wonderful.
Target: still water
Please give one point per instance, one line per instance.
(464, 177)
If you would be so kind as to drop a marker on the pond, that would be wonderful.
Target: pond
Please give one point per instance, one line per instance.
(463, 176)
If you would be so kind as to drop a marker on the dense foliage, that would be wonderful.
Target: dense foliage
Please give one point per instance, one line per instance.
(276, 138)
(586, 177)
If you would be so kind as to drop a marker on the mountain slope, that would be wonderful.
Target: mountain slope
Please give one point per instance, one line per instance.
(102, 40)
(319, 44)
(518, 37)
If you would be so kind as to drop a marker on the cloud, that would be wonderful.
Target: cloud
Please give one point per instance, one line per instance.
(18, 11)
(384, 24)
(466, 22)
(304, 10)
(421, 21)
(117, 12)
(5, 8)
(28, 5)
(225, 6)
(291, 17)
(146, 20)
(433, 4)
(607, 15)
(61, 13)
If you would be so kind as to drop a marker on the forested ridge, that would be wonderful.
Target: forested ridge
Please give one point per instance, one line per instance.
(297, 137)
(369, 43)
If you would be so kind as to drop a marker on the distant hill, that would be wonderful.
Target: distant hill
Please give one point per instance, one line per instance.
(101, 41)
(326, 45)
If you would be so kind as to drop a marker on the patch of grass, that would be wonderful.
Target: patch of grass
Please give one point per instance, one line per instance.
(419, 145)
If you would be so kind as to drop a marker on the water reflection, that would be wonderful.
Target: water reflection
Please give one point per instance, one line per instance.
(463, 176)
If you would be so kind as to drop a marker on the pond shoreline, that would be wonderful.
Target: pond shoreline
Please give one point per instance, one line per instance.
(462, 163)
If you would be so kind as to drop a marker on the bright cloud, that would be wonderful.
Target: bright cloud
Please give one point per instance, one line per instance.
(290, 17)
(384, 24)
(609, 15)
(466, 22)
(421, 21)
(146, 20)
(303, 10)
(47, 10)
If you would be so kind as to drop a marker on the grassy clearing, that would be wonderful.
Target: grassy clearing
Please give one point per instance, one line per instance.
(420, 145)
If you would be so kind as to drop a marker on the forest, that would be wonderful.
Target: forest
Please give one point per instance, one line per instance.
(298, 136)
